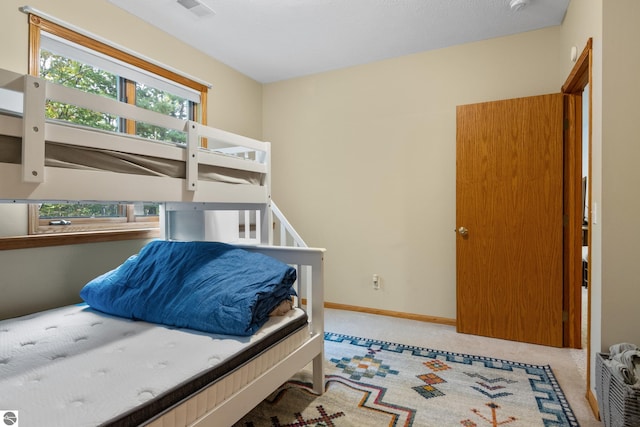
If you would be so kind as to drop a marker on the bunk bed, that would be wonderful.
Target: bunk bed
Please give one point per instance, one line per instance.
(45, 160)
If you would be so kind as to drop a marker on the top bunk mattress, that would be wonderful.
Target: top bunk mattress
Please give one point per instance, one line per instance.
(87, 158)
(77, 366)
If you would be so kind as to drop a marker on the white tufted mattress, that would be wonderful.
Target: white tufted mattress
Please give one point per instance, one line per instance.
(74, 366)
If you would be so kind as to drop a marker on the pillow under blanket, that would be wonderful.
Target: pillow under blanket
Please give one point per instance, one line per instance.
(207, 286)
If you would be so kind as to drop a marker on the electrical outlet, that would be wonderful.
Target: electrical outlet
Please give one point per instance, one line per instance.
(376, 282)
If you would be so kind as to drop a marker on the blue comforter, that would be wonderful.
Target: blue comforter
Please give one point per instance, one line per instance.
(207, 286)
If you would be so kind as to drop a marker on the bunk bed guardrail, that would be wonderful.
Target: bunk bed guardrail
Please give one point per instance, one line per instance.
(23, 103)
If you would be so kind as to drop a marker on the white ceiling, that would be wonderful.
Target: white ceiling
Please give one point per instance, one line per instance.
(272, 40)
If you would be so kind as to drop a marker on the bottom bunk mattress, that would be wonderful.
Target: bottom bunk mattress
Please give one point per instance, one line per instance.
(76, 366)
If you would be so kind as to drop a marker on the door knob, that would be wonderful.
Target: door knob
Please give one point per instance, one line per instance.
(463, 231)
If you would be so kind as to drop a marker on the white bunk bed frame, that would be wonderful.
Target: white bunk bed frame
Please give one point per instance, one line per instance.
(23, 98)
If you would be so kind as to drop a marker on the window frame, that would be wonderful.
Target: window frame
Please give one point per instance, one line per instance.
(39, 235)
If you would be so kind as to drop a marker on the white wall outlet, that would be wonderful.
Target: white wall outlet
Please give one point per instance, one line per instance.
(376, 282)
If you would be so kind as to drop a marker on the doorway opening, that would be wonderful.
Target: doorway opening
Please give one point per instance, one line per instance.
(577, 289)
(586, 114)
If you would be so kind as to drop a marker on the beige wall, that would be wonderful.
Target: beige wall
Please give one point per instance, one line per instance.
(33, 279)
(364, 162)
(620, 173)
(42, 278)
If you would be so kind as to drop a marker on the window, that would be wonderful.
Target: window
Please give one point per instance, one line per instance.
(70, 58)
(70, 64)
(90, 217)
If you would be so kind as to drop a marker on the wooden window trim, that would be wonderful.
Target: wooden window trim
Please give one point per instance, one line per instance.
(130, 93)
(44, 240)
(38, 24)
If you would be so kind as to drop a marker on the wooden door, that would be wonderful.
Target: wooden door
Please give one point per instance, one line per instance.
(509, 183)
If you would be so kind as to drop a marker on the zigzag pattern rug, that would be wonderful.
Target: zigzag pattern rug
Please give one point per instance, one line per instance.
(376, 383)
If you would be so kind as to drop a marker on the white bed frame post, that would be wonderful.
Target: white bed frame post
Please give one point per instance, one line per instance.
(316, 307)
(193, 143)
(266, 214)
(163, 222)
(33, 129)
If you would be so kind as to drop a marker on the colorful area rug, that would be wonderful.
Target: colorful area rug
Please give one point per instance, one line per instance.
(376, 383)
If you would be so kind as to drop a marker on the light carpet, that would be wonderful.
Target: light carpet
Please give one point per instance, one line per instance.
(377, 383)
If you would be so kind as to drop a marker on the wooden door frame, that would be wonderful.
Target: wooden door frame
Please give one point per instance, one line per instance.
(578, 79)
(573, 217)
